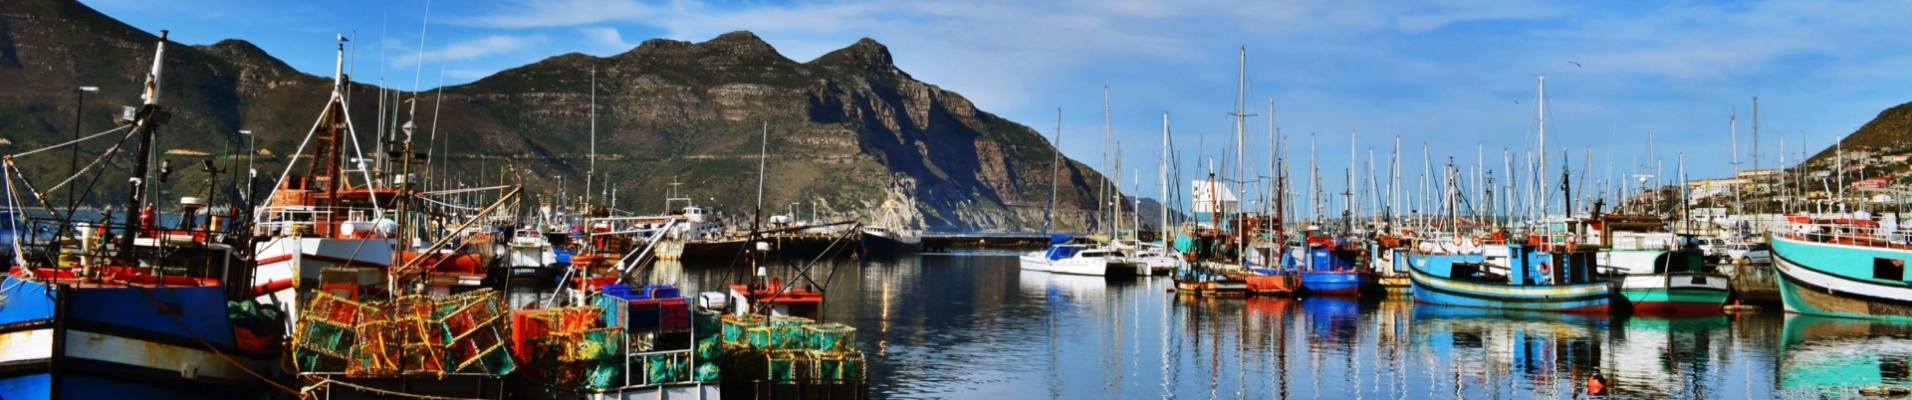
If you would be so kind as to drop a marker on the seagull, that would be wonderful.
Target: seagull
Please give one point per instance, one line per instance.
(343, 39)
(1575, 63)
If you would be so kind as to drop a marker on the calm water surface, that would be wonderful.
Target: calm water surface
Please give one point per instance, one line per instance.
(976, 326)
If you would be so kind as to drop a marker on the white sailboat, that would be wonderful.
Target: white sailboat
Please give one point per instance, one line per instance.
(1061, 256)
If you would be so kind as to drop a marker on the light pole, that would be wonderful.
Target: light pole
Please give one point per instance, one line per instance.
(74, 165)
(252, 148)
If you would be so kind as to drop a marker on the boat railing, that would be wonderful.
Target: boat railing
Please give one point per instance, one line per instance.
(311, 220)
(1852, 232)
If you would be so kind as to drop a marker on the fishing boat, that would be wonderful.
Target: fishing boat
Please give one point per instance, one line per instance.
(317, 222)
(1842, 267)
(1331, 266)
(1544, 274)
(1389, 264)
(1662, 275)
(887, 236)
(147, 311)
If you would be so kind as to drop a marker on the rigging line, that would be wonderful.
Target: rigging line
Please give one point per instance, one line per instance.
(96, 161)
(72, 142)
(294, 160)
(13, 223)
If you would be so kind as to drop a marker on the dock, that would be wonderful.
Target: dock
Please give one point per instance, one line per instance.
(940, 242)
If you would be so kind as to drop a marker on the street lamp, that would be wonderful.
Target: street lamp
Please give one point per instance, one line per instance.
(252, 149)
(74, 165)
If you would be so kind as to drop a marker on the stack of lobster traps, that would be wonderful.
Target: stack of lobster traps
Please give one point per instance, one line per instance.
(414, 344)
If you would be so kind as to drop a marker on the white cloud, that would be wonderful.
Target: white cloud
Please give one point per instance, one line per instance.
(558, 13)
(470, 49)
(608, 37)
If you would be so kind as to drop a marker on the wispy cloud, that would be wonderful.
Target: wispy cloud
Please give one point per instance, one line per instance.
(470, 49)
(556, 13)
(608, 37)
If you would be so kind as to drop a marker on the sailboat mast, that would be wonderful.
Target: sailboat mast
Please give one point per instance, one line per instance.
(1541, 169)
(1241, 147)
(1108, 141)
(1055, 166)
(1164, 201)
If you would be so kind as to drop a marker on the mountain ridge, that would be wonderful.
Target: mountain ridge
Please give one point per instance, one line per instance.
(848, 131)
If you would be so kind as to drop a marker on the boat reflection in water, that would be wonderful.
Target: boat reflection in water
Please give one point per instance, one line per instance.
(1840, 357)
(1521, 354)
(968, 326)
(1668, 357)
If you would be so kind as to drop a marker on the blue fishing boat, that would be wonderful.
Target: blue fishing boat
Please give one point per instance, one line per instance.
(1551, 277)
(1842, 268)
(144, 314)
(1332, 266)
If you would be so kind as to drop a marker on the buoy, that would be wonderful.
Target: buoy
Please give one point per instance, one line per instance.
(1597, 384)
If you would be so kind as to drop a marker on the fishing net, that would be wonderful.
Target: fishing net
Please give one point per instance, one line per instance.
(666, 368)
(829, 337)
(707, 323)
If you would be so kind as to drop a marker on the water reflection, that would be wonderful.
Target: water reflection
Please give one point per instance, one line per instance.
(1849, 357)
(966, 326)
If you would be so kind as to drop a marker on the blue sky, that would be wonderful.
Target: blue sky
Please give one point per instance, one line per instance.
(1455, 75)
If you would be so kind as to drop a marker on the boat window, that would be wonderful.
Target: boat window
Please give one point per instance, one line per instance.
(1888, 269)
(1061, 252)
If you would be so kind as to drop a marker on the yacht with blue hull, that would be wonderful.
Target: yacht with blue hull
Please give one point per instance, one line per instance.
(1558, 278)
(145, 313)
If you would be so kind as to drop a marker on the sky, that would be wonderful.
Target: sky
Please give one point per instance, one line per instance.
(1459, 77)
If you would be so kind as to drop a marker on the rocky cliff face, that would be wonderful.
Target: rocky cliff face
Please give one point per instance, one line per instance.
(845, 132)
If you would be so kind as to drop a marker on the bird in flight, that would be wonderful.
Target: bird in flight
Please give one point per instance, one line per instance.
(1575, 63)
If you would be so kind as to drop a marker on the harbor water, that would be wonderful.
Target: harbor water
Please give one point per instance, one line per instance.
(976, 326)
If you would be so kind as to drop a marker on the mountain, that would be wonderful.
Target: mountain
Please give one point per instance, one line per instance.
(847, 132)
(1891, 130)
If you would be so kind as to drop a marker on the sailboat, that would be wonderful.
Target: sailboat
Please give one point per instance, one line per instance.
(1063, 256)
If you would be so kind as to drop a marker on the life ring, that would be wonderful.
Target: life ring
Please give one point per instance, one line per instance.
(1546, 269)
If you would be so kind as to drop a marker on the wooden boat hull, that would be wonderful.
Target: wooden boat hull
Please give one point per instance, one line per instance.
(1839, 280)
(125, 342)
(1676, 294)
(1586, 298)
(1334, 283)
(1279, 284)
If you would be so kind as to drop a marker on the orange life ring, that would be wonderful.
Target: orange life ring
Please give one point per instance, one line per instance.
(1546, 269)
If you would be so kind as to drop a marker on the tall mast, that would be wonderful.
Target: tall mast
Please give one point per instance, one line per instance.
(1055, 167)
(1740, 207)
(150, 116)
(1241, 147)
(1164, 201)
(1541, 169)
(592, 171)
(1108, 141)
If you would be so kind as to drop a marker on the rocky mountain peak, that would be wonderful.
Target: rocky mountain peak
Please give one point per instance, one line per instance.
(244, 52)
(865, 55)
